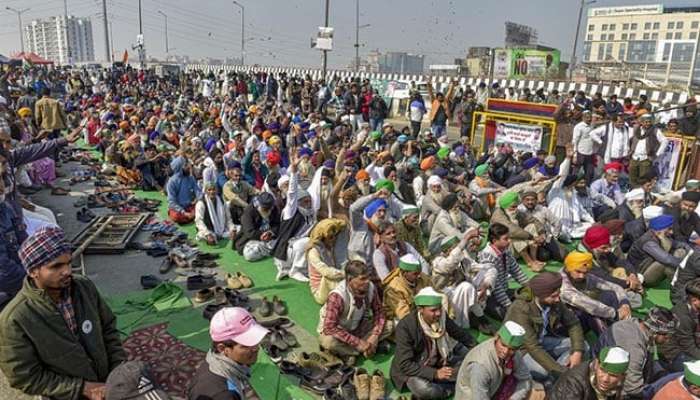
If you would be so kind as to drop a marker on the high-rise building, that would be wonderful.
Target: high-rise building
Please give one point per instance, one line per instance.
(395, 62)
(47, 38)
(660, 41)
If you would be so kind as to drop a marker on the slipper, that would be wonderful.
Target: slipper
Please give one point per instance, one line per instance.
(85, 215)
(59, 191)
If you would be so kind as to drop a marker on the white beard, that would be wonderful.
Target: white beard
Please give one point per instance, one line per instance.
(437, 197)
(325, 192)
(456, 217)
(364, 188)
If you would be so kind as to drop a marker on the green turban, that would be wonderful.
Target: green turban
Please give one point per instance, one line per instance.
(384, 184)
(508, 200)
(481, 170)
(443, 153)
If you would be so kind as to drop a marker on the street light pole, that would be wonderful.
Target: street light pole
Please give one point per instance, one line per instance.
(19, 19)
(578, 30)
(107, 35)
(357, 35)
(325, 52)
(142, 51)
(242, 31)
(166, 32)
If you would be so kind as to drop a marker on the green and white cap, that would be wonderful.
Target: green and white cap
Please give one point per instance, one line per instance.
(692, 184)
(691, 372)
(408, 210)
(409, 262)
(614, 360)
(448, 241)
(428, 297)
(512, 334)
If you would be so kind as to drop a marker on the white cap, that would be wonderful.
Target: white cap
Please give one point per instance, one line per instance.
(282, 180)
(652, 212)
(635, 194)
(434, 181)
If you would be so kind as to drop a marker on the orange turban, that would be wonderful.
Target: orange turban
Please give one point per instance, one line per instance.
(361, 175)
(427, 163)
(267, 134)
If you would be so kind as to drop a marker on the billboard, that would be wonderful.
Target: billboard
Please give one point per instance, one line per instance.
(526, 63)
(520, 35)
(649, 9)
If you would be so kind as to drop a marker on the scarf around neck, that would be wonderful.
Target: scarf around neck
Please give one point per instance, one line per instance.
(236, 375)
(437, 333)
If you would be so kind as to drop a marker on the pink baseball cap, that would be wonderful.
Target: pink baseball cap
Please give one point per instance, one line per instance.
(235, 323)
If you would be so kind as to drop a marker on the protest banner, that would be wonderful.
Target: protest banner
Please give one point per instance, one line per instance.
(520, 136)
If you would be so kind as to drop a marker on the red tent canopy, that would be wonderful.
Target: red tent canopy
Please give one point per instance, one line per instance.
(32, 58)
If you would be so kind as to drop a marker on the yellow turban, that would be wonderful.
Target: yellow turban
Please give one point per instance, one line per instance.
(577, 260)
(24, 112)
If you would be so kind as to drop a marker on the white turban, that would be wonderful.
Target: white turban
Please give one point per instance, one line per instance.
(434, 181)
(652, 212)
(635, 194)
(282, 180)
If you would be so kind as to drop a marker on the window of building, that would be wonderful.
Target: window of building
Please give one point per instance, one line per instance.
(647, 25)
(678, 36)
(587, 51)
(633, 36)
(679, 25)
(641, 51)
(603, 37)
(667, 51)
(612, 27)
(625, 27)
(657, 25)
(611, 36)
(624, 36)
(671, 25)
(695, 24)
(609, 51)
(693, 35)
(591, 27)
(621, 52)
(669, 35)
(633, 26)
(654, 36)
(645, 36)
(682, 52)
(604, 27)
(601, 51)
(589, 37)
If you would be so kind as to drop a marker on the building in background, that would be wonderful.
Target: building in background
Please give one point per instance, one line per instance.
(395, 62)
(648, 42)
(47, 38)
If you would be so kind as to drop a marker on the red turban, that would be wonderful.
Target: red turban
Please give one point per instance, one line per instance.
(596, 236)
(273, 158)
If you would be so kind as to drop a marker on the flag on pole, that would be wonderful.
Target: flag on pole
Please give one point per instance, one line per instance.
(125, 57)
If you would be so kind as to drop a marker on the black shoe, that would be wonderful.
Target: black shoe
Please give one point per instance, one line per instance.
(383, 347)
(288, 337)
(150, 281)
(272, 351)
(165, 265)
(317, 386)
(278, 306)
(276, 339)
(265, 308)
(210, 310)
(235, 296)
(281, 322)
(197, 282)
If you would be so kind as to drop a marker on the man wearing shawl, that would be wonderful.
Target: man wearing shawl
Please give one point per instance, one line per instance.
(297, 219)
(260, 225)
(182, 191)
(429, 348)
(367, 214)
(565, 203)
(324, 193)
(596, 302)
(483, 187)
(450, 221)
(237, 192)
(212, 217)
(495, 368)
(432, 202)
(390, 249)
(325, 270)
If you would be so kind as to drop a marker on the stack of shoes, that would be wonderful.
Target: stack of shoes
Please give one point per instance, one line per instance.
(309, 378)
(282, 338)
(281, 322)
(277, 306)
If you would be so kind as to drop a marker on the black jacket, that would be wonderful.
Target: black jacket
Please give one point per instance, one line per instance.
(250, 226)
(622, 212)
(207, 386)
(288, 229)
(633, 230)
(685, 275)
(683, 228)
(412, 349)
(575, 383)
(683, 339)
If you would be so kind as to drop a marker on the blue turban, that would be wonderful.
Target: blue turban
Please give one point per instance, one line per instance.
(310, 134)
(441, 172)
(304, 125)
(459, 151)
(231, 164)
(330, 164)
(661, 222)
(296, 119)
(305, 151)
(154, 135)
(375, 205)
(210, 144)
(273, 126)
(530, 162)
(402, 139)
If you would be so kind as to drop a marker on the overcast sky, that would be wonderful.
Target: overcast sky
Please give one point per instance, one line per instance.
(278, 32)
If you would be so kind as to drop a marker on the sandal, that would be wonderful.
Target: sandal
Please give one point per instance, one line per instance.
(59, 191)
